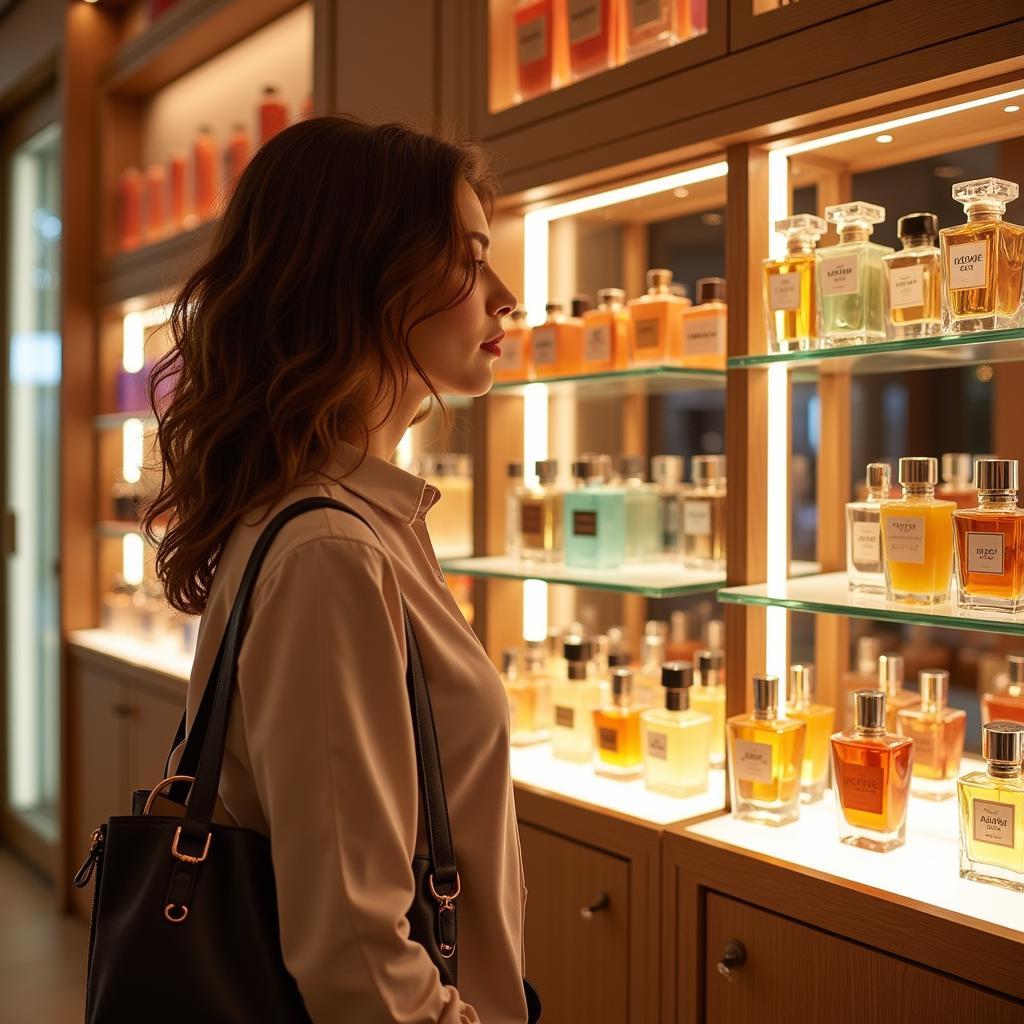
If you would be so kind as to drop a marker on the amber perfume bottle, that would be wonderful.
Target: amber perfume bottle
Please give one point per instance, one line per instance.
(129, 199)
(865, 571)
(917, 537)
(617, 749)
(938, 735)
(819, 719)
(573, 699)
(863, 677)
(657, 322)
(992, 810)
(557, 344)
(703, 514)
(529, 702)
(596, 36)
(704, 326)
(708, 696)
(606, 333)
(982, 260)
(958, 479)
(204, 170)
(891, 669)
(791, 286)
(913, 279)
(990, 542)
(541, 516)
(514, 361)
(766, 755)
(1006, 702)
(273, 114)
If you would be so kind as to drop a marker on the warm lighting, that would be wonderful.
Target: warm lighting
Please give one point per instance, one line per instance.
(133, 335)
(680, 193)
(132, 558)
(132, 450)
(883, 139)
(535, 449)
(535, 610)
(777, 524)
(985, 373)
(712, 220)
(1011, 109)
(778, 200)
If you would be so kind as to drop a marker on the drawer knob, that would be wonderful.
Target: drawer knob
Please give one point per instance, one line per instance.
(603, 902)
(734, 956)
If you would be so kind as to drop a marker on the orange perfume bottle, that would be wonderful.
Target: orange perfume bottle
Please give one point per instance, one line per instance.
(514, 361)
(617, 748)
(606, 333)
(129, 196)
(273, 114)
(542, 56)
(179, 202)
(596, 37)
(236, 156)
(557, 344)
(156, 202)
(938, 735)
(657, 322)
(704, 326)
(1006, 702)
(819, 719)
(204, 169)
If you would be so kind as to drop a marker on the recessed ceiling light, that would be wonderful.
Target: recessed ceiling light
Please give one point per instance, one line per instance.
(1011, 109)
(713, 220)
(883, 139)
(681, 193)
(949, 171)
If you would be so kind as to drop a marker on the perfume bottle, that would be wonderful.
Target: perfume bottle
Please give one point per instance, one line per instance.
(236, 153)
(913, 279)
(514, 361)
(156, 205)
(676, 739)
(650, 25)
(917, 537)
(990, 542)
(273, 114)
(938, 735)
(541, 516)
(1006, 702)
(891, 670)
(704, 326)
(514, 488)
(527, 701)
(766, 755)
(596, 36)
(863, 677)
(643, 510)
(958, 480)
(595, 520)
(865, 570)
(573, 699)
(872, 769)
(819, 719)
(708, 696)
(617, 750)
(850, 277)
(703, 514)
(541, 46)
(657, 322)
(177, 175)
(791, 286)
(992, 810)
(982, 260)
(557, 344)
(667, 476)
(204, 169)
(129, 200)
(647, 683)
(606, 333)
(680, 646)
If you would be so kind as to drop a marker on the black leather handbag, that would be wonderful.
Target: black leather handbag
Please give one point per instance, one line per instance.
(184, 920)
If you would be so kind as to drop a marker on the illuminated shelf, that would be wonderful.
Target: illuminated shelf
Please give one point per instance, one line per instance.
(113, 528)
(923, 871)
(936, 353)
(134, 651)
(829, 593)
(640, 380)
(116, 420)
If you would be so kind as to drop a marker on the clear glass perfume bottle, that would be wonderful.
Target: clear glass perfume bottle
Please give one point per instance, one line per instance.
(708, 696)
(667, 477)
(528, 697)
(913, 279)
(850, 277)
(819, 719)
(617, 749)
(766, 755)
(541, 516)
(982, 260)
(573, 699)
(514, 487)
(676, 739)
(1006, 702)
(595, 520)
(557, 344)
(657, 322)
(643, 510)
(647, 684)
(938, 735)
(703, 514)
(872, 769)
(704, 326)
(791, 286)
(958, 479)
(992, 810)
(514, 361)
(865, 570)
(606, 333)
(917, 537)
(990, 542)
(891, 671)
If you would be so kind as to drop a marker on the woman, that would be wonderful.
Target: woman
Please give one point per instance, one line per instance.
(348, 283)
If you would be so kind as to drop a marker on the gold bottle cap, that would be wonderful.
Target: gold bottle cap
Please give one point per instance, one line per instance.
(1003, 741)
(801, 684)
(547, 470)
(878, 476)
(919, 470)
(610, 297)
(622, 685)
(869, 709)
(956, 467)
(659, 281)
(934, 686)
(707, 469)
(766, 696)
(667, 469)
(890, 672)
(996, 474)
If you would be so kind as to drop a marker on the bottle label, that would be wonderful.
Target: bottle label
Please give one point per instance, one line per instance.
(608, 739)
(906, 287)
(985, 553)
(646, 334)
(531, 519)
(564, 717)
(784, 291)
(904, 539)
(584, 524)
(511, 359)
(704, 335)
(697, 518)
(533, 40)
(657, 746)
(643, 12)
(545, 346)
(584, 20)
(597, 343)
(968, 265)
(862, 787)
(839, 275)
(752, 762)
(993, 822)
(867, 543)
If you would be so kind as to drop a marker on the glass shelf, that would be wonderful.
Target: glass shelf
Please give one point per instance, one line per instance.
(830, 593)
(116, 420)
(639, 380)
(896, 356)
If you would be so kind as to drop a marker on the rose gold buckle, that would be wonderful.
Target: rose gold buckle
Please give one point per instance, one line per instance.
(206, 849)
(446, 904)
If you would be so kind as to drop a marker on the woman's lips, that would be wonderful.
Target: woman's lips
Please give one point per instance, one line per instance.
(494, 345)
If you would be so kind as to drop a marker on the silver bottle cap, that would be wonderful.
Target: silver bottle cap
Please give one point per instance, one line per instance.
(597, 468)
(879, 476)
(1003, 741)
(934, 686)
(706, 469)
(766, 696)
(667, 469)
(658, 281)
(630, 466)
(869, 709)
(890, 672)
(1015, 668)
(801, 684)
(956, 467)
(677, 675)
(919, 470)
(996, 474)
(622, 684)
(547, 470)
(611, 297)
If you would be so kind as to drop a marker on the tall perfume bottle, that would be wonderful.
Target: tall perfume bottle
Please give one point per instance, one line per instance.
(958, 479)
(541, 516)
(557, 344)
(917, 537)
(850, 277)
(657, 322)
(938, 735)
(272, 113)
(982, 260)
(791, 286)
(913, 279)
(676, 739)
(595, 520)
(863, 677)
(617, 750)
(528, 702)
(667, 477)
(865, 570)
(643, 510)
(541, 46)
(704, 326)
(992, 810)
(1006, 702)
(680, 646)
(514, 361)
(819, 719)
(708, 696)
(606, 333)
(514, 487)
(766, 755)
(596, 36)
(891, 670)
(872, 769)
(647, 684)
(650, 25)
(573, 699)
(204, 170)
(990, 542)
(703, 514)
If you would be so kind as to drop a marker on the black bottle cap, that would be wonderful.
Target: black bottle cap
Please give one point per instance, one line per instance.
(710, 289)
(676, 675)
(618, 659)
(917, 225)
(575, 648)
(580, 304)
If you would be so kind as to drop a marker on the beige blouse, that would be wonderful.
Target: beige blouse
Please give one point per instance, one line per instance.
(321, 758)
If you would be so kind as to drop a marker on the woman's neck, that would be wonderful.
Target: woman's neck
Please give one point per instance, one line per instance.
(384, 437)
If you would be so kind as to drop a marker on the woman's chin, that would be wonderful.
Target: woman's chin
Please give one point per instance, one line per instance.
(473, 384)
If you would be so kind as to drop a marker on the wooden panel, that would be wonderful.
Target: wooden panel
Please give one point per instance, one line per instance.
(757, 21)
(798, 973)
(30, 49)
(580, 966)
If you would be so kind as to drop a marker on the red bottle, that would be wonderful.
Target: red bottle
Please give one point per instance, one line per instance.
(179, 206)
(236, 156)
(156, 202)
(204, 158)
(129, 196)
(596, 37)
(542, 53)
(273, 114)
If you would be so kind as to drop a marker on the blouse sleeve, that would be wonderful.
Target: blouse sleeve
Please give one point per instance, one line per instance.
(329, 730)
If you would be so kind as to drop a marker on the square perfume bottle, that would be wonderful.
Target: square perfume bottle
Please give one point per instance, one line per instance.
(595, 519)
(541, 516)
(643, 510)
(1006, 701)
(791, 286)
(529, 701)
(606, 333)
(938, 735)
(514, 361)
(617, 749)
(541, 46)
(958, 479)
(705, 326)
(708, 696)
(819, 719)
(596, 36)
(667, 477)
(703, 514)
(557, 344)
(650, 25)
(657, 322)
(913, 279)
(891, 673)
(865, 570)
(573, 699)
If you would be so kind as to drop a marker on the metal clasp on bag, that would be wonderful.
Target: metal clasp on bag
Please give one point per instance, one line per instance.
(446, 904)
(187, 858)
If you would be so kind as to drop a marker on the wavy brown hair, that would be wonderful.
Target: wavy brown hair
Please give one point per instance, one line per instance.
(340, 237)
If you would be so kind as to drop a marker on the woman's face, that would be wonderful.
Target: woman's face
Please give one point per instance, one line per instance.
(457, 347)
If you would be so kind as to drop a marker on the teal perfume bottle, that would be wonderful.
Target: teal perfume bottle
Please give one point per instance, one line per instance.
(595, 519)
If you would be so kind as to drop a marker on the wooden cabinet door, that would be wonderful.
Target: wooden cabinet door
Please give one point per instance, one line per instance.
(580, 964)
(154, 717)
(794, 972)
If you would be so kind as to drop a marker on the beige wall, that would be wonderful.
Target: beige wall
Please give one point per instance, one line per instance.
(30, 37)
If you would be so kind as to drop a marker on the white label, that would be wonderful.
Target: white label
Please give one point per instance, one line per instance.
(533, 40)
(968, 265)
(646, 334)
(904, 539)
(642, 12)
(657, 746)
(597, 343)
(511, 359)
(752, 762)
(839, 275)
(545, 346)
(985, 553)
(906, 287)
(584, 20)
(704, 335)
(993, 822)
(866, 539)
(697, 518)
(784, 291)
